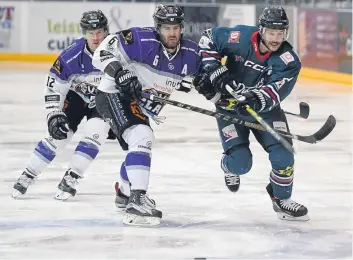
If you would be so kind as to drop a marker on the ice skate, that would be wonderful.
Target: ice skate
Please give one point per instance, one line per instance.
(67, 186)
(288, 209)
(24, 181)
(139, 212)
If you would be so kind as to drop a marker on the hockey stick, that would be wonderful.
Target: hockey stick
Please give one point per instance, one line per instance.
(261, 121)
(304, 111)
(324, 131)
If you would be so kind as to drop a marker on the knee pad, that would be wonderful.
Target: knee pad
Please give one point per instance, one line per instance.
(95, 134)
(139, 138)
(238, 160)
(57, 145)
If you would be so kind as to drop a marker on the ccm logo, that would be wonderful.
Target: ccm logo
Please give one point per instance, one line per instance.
(253, 65)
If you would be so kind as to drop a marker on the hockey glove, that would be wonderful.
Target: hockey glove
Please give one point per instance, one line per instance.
(255, 99)
(128, 84)
(204, 87)
(220, 77)
(58, 125)
(252, 98)
(186, 84)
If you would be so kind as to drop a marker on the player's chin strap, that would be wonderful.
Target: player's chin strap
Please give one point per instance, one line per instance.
(259, 119)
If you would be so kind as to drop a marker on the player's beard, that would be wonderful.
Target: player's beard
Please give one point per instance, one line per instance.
(171, 42)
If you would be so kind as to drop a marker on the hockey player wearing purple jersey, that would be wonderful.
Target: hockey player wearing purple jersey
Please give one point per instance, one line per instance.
(70, 88)
(135, 60)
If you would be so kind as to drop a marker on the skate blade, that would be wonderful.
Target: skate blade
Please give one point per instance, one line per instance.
(284, 216)
(120, 207)
(16, 194)
(135, 220)
(62, 195)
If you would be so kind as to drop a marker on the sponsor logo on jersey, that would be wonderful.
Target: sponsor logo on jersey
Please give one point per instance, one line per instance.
(234, 37)
(229, 132)
(279, 125)
(166, 89)
(238, 58)
(287, 57)
(253, 65)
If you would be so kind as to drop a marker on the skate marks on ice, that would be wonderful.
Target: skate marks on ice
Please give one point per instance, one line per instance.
(174, 239)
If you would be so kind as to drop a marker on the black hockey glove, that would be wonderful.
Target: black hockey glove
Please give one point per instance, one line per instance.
(128, 84)
(221, 77)
(58, 125)
(204, 87)
(255, 99)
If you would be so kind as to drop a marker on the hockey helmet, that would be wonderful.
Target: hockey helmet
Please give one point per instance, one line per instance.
(274, 17)
(93, 20)
(168, 14)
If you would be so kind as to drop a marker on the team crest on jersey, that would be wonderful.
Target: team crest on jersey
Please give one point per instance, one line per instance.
(127, 36)
(234, 37)
(57, 66)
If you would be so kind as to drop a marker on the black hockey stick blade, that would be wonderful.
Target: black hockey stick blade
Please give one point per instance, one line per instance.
(304, 111)
(321, 134)
(326, 129)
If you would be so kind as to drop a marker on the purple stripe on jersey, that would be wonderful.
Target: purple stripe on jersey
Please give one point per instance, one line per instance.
(123, 172)
(44, 150)
(87, 148)
(138, 158)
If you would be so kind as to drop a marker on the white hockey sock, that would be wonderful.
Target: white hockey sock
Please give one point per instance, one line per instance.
(124, 181)
(138, 170)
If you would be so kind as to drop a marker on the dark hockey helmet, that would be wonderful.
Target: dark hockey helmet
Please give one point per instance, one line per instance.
(168, 14)
(93, 20)
(274, 17)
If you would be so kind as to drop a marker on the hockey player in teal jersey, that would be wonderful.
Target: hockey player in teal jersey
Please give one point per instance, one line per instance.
(263, 67)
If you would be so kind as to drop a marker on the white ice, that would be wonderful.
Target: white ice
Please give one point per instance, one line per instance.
(201, 218)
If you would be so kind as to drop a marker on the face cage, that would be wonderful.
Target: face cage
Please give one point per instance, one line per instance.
(263, 29)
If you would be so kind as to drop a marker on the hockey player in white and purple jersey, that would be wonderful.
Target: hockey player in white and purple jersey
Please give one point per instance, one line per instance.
(136, 60)
(70, 88)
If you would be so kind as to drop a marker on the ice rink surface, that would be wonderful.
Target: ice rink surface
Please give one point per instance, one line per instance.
(201, 218)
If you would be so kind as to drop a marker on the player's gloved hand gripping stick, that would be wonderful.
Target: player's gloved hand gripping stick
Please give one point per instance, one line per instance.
(241, 99)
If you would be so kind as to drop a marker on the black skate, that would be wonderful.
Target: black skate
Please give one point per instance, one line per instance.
(232, 181)
(24, 181)
(121, 200)
(66, 187)
(139, 212)
(288, 209)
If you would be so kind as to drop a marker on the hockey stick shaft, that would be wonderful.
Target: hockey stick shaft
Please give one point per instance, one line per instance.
(318, 136)
(262, 122)
(203, 111)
